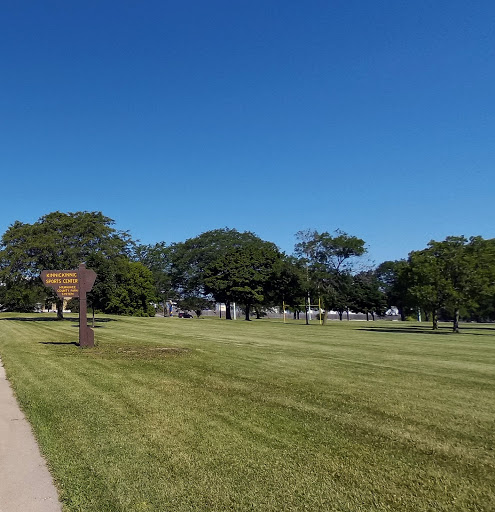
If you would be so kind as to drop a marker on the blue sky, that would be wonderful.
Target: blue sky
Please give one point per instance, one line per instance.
(174, 118)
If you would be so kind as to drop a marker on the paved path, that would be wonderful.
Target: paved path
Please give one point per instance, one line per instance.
(25, 483)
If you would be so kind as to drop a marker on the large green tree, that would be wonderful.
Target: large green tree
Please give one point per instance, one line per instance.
(56, 241)
(134, 292)
(482, 254)
(395, 281)
(157, 258)
(20, 294)
(242, 274)
(330, 261)
(448, 275)
(190, 259)
(366, 295)
(288, 285)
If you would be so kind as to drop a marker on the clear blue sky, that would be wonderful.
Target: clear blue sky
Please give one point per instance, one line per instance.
(173, 118)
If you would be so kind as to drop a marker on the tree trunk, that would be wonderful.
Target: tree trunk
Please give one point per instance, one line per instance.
(60, 309)
(228, 316)
(434, 317)
(456, 320)
(248, 307)
(347, 313)
(324, 317)
(93, 308)
(367, 316)
(340, 315)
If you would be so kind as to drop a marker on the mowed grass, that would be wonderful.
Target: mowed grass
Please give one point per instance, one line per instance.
(209, 415)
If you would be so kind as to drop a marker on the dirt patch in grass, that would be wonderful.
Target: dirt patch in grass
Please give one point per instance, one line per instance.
(154, 350)
(138, 352)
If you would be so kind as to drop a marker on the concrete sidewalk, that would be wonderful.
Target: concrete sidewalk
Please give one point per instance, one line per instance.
(25, 483)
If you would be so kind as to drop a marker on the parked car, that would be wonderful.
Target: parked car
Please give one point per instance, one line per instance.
(185, 314)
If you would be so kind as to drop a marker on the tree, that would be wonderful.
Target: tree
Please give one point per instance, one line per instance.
(242, 273)
(394, 281)
(481, 254)
(196, 304)
(330, 261)
(20, 294)
(109, 279)
(428, 283)
(447, 275)
(56, 241)
(366, 295)
(135, 291)
(337, 292)
(190, 259)
(157, 259)
(288, 284)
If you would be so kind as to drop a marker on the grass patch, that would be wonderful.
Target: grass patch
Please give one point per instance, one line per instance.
(199, 415)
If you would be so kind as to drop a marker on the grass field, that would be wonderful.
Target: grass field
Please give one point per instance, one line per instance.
(209, 415)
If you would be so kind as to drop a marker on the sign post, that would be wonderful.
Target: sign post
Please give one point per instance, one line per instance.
(74, 283)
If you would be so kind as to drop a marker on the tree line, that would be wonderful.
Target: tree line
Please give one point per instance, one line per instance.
(449, 280)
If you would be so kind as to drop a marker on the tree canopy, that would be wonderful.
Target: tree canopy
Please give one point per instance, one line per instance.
(223, 264)
(242, 273)
(330, 261)
(59, 241)
(452, 279)
(447, 275)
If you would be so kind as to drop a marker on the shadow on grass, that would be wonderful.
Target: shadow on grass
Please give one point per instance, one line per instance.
(89, 325)
(41, 319)
(59, 343)
(476, 326)
(441, 331)
(297, 323)
(407, 330)
(37, 319)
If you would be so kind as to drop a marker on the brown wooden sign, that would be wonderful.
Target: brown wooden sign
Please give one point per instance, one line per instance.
(74, 283)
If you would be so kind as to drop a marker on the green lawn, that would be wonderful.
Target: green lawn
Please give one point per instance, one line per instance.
(209, 415)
